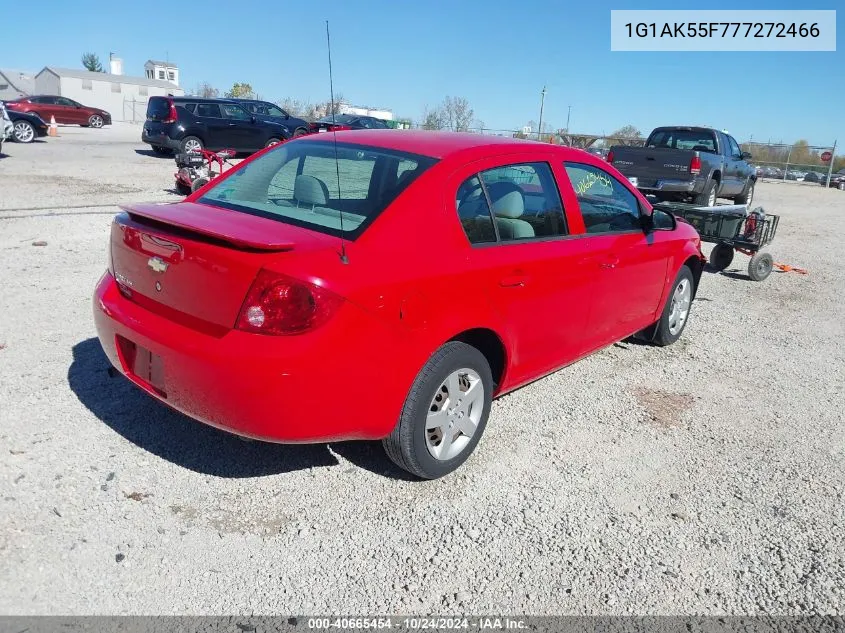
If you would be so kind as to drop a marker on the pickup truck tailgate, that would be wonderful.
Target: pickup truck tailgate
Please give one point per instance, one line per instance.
(649, 164)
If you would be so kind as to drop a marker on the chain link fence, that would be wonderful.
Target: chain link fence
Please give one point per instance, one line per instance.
(797, 162)
(134, 111)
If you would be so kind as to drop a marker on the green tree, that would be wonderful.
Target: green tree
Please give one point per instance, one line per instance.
(240, 91)
(627, 132)
(92, 62)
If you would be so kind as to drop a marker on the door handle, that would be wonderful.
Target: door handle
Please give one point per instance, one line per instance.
(610, 262)
(232, 124)
(513, 281)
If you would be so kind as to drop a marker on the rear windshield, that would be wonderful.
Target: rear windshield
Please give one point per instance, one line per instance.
(158, 109)
(701, 141)
(337, 118)
(301, 183)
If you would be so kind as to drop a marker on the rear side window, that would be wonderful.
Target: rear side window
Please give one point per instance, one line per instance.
(514, 202)
(301, 183)
(607, 205)
(211, 110)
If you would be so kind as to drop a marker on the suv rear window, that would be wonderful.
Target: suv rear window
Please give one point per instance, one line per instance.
(301, 183)
(158, 109)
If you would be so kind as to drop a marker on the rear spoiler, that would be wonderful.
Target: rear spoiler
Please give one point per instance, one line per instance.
(238, 229)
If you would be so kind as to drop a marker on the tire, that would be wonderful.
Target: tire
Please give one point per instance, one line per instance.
(183, 189)
(272, 141)
(841, 186)
(412, 446)
(161, 150)
(707, 198)
(747, 194)
(96, 121)
(24, 132)
(300, 131)
(199, 182)
(666, 329)
(721, 256)
(190, 141)
(760, 266)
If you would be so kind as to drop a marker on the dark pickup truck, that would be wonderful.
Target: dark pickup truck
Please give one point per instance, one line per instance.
(688, 163)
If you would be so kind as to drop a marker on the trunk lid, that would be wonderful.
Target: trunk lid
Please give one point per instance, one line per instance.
(648, 165)
(194, 264)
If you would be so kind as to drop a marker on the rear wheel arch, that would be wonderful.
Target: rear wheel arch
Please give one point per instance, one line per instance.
(716, 176)
(490, 344)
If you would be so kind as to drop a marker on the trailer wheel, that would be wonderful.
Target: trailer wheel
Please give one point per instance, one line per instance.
(721, 256)
(760, 266)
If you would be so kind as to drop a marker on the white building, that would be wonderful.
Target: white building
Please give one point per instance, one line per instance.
(15, 84)
(164, 71)
(345, 108)
(124, 97)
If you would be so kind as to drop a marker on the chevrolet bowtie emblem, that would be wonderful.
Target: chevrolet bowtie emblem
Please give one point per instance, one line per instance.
(157, 264)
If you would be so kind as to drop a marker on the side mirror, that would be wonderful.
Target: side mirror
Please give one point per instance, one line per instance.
(745, 155)
(662, 221)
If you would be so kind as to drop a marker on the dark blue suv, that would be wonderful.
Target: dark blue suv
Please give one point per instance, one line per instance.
(267, 110)
(187, 124)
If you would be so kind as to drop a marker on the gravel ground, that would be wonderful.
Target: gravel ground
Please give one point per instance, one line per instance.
(703, 478)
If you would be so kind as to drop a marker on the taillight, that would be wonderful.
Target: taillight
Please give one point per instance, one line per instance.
(610, 157)
(279, 305)
(695, 165)
(171, 116)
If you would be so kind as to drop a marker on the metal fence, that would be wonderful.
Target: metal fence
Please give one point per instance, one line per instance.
(797, 162)
(134, 111)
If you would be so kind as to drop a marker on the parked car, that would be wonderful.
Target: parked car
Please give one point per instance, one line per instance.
(66, 111)
(347, 122)
(271, 301)
(838, 180)
(267, 110)
(814, 176)
(27, 126)
(188, 124)
(688, 163)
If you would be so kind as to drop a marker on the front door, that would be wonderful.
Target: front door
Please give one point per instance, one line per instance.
(531, 270)
(246, 135)
(70, 112)
(630, 264)
(219, 133)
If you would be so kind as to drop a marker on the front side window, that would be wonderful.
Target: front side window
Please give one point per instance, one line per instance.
(302, 183)
(735, 151)
(274, 111)
(233, 111)
(607, 205)
(63, 101)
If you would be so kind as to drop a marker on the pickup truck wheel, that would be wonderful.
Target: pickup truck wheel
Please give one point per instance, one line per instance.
(676, 311)
(444, 414)
(747, 194)
(707, 198)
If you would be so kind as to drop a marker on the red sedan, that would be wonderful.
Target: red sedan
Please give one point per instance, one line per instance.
(66, 111)
(387, 286)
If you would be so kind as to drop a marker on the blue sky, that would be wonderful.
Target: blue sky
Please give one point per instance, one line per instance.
(406, 55)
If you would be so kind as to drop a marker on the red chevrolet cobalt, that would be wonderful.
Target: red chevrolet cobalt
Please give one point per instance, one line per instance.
(387, 284)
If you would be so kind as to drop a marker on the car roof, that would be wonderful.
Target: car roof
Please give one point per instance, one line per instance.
(195, 99)
(438, 144)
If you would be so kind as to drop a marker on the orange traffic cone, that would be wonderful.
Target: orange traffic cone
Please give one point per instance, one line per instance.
(54, 129)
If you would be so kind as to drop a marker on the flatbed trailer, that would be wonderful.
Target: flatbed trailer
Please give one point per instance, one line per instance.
(733, 228)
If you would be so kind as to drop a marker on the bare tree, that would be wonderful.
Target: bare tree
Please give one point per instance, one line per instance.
(433, 119)
(206, 90)
(91, 61)
(627, 132)
(457, 114)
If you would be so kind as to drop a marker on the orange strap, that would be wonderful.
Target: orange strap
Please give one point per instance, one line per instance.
(791, 269)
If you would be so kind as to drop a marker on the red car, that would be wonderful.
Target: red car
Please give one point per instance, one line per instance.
(66, 111)
(387, 286)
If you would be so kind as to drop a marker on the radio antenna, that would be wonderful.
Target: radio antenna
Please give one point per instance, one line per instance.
(343, 257)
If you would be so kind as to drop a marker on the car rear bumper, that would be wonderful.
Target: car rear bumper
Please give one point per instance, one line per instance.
(290, 389)
(669, 186)
(161, 139)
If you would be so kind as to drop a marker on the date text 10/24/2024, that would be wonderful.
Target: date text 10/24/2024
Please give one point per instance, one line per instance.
(418, 623)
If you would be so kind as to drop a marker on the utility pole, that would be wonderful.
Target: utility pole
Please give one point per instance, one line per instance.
(567, 119)
(542, 103)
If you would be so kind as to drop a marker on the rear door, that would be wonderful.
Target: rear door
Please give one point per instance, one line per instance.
(219, 133)
(45, 107)
(630, 264)
(520, 253)
(244, 134)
